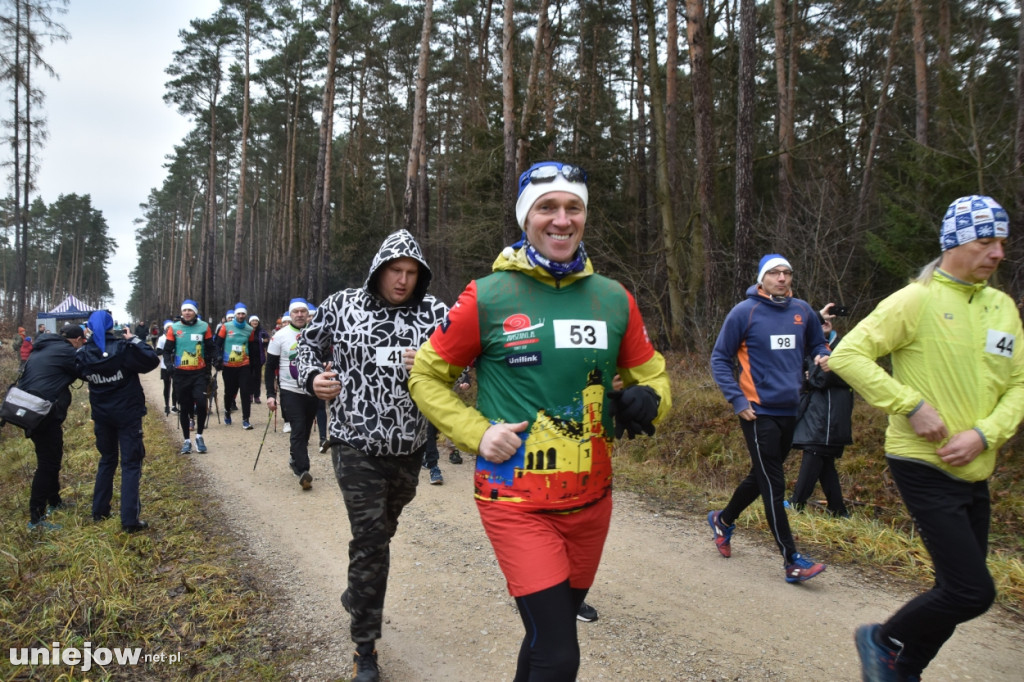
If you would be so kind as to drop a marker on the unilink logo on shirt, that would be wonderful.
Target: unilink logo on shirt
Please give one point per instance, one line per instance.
(524, 359)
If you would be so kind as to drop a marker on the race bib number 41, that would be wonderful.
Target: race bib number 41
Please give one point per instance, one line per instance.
(1000, 343)
(389, 356)
(581, 334)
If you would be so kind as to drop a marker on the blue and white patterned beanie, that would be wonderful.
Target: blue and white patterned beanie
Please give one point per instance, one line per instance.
(973, 217)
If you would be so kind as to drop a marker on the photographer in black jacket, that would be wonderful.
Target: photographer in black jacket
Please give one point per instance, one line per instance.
(111, 363)
(824, 427)
(48, 373)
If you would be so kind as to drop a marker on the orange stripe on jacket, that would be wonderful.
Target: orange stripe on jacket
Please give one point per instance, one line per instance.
(746, 378)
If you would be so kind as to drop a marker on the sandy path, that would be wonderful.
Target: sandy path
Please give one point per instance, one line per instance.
(670, 607)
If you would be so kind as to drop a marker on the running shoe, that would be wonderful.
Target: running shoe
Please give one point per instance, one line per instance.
(186, 447)
(227, 419)
(877, 662)
(192, 424)
(587, 613)
(435, 475)
(246, 426)
(305, 480)
(200, 444)
(723, 534)
(364, 668)
(167, 410)
(455, 457)
(43, 524)
(287, 428)
(802, 569)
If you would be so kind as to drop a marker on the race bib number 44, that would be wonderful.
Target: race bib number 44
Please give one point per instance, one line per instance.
(1000, 343)
(581, 334)
(783, 341)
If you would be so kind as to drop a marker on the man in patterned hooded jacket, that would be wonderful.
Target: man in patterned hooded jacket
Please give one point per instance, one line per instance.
(356, 353)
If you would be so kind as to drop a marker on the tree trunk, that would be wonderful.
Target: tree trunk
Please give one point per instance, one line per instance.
(321, 214)
(1016, 246)
(701, 266)
(417, 146)
(20, 219)
(671, 97)
(743, 251)
(920, 75)
(675, 284)
(883, 97)
(511, 231)
(785, 132)
(240, 231)
(530, 99)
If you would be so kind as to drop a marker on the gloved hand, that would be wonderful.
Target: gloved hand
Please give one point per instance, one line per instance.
(634, 410)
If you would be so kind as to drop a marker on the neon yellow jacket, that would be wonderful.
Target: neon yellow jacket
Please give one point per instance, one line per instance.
(954, 345)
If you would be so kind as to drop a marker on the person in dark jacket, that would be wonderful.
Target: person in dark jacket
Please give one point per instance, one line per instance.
(111, 363)
(48, 373)
(823, 429)
(259, 359)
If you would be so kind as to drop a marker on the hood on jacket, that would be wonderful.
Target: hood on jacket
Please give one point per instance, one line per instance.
(758, 294)
(400, 244)
(48, 339)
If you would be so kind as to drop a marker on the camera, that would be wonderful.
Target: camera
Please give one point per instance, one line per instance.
(839, 310)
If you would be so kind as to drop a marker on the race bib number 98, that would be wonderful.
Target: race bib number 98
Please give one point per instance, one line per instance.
(1000, 343)
(783, 341)
(581, 334)
(390, 356)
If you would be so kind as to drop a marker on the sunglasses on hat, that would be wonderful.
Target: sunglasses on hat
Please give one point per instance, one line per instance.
(548, 173)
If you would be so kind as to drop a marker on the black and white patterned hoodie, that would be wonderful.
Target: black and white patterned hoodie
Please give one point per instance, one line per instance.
(363, 336)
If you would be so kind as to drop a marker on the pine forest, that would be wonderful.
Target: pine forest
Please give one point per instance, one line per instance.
(712, 133)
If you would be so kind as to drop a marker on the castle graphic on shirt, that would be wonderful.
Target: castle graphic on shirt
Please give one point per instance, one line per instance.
(559, 459)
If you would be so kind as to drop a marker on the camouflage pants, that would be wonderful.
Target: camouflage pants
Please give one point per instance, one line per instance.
(376, 489)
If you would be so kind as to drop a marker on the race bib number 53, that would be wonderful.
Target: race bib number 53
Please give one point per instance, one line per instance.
(1000, 343)
(581, 334)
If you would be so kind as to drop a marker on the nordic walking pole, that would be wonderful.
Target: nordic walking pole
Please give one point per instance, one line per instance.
(265, 429)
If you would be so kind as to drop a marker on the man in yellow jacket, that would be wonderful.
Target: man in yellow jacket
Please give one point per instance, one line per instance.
(956, 394)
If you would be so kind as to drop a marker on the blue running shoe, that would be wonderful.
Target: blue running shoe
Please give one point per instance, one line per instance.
(723, 534)
(877, 662)
(200, 444)
(186, 447)
(802, 569)
(43, 524)
(227, 419)
(246, 425)
(435, 476)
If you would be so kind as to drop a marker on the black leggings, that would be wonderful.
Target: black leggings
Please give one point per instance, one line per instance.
(551, 650)
(952, 517)
(190, 394)
(768, 439)
(818, 466)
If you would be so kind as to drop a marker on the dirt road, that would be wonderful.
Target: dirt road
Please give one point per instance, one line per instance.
(670, 607)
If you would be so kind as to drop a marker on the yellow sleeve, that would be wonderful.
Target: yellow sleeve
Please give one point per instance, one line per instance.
(430, 385)
(651, 373)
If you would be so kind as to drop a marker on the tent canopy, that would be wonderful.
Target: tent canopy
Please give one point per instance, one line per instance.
(68, 309)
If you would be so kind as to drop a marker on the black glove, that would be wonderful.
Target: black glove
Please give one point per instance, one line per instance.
(634, 410)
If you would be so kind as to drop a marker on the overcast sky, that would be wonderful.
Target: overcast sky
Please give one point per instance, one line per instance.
(109, 129)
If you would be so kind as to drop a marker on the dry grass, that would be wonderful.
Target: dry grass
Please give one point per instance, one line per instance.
(174, 590)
